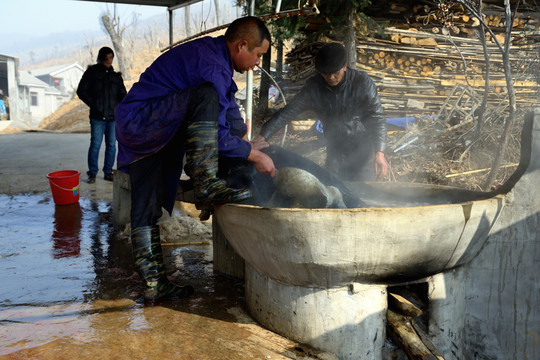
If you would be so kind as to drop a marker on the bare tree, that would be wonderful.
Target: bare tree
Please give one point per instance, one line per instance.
(483, 106)
(90, 48)
(116, 32)
(511, 98)
(151, 37)
(130, 47)
(238, 11)
(187, 20)
(350, 36)
(505, 52)
(265, 81)
(218, 13)
(279, 57)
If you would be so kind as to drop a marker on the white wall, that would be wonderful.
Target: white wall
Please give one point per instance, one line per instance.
(71, 78)
(503, 281)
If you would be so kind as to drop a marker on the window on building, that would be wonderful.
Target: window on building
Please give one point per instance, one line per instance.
(33, 99)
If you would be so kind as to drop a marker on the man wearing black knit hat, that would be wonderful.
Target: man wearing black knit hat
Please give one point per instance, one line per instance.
(348, 105)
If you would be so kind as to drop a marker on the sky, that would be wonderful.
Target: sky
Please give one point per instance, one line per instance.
(38, 30)
(45, 17)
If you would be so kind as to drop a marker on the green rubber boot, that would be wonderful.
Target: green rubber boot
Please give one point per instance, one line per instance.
(146, 246)
(202, 166)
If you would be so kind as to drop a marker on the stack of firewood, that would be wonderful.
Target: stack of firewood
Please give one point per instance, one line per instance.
(422, 65)
(425, 52)
(301, 61)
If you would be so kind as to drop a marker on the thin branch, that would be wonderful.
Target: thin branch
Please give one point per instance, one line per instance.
(511, 98)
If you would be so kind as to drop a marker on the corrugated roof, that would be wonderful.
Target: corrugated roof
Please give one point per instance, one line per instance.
(53, 70)
(3, 57)
(27, 79)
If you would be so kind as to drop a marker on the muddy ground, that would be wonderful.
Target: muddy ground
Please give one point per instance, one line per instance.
(70, 290)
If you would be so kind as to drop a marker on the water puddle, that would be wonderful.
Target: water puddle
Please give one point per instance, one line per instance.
(70, 291)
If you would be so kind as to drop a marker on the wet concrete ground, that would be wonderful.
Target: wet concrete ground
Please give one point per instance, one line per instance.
(70, 290)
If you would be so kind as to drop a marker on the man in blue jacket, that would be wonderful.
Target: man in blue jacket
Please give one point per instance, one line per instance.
(184, 103)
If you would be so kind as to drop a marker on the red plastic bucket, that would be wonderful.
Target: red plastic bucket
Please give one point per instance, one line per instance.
(64, 186)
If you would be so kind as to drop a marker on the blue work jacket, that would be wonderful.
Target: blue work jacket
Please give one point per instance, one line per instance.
(145, 123)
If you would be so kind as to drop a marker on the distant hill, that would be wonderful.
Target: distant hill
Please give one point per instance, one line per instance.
(34, 51)
(38, 51)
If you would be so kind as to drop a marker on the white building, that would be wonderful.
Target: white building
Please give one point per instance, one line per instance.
(9, 86)
(62, 77)
(37, 99)
(33, 95)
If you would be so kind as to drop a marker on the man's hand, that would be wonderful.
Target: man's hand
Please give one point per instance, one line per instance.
(259, 143)
(381, 165)
(262, 162)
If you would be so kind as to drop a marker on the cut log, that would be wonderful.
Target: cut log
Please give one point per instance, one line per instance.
(404, 335)
(403, 305)
(427, 42)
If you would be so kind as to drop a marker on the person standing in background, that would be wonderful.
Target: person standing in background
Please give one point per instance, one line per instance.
(3, 112)
(102, 89)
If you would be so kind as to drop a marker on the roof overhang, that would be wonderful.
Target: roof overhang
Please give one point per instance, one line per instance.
(169, 4)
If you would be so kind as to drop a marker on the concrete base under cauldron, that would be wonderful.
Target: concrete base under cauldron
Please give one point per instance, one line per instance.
(347, 321)
(339, 305)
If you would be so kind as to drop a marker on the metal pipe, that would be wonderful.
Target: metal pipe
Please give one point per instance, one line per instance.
(284, 101)
(278, 6)
(275, 83)
(171, 18)
(249, 86)
(249, 102)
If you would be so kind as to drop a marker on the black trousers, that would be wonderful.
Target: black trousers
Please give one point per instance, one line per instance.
(154, 179)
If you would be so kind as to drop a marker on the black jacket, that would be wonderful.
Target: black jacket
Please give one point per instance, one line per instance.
(101, 89)
(349, 112)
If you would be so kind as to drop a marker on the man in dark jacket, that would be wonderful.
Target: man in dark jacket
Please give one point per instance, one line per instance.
(101, 88)
(350, 110)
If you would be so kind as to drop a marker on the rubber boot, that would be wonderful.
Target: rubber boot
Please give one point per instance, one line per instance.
(202, 166)
(148, 256)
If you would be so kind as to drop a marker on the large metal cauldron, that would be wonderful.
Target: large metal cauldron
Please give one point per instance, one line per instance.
(411, 231)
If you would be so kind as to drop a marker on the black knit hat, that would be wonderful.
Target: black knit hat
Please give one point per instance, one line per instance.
(330, 58)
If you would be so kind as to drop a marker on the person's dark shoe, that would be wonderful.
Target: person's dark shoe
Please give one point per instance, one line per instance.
(91, 178)
(108, 177)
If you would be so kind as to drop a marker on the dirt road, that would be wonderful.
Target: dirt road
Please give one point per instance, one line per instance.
(26, 158)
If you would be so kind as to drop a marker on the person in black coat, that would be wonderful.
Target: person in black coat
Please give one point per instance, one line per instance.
(102, 89)
(349, 108)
